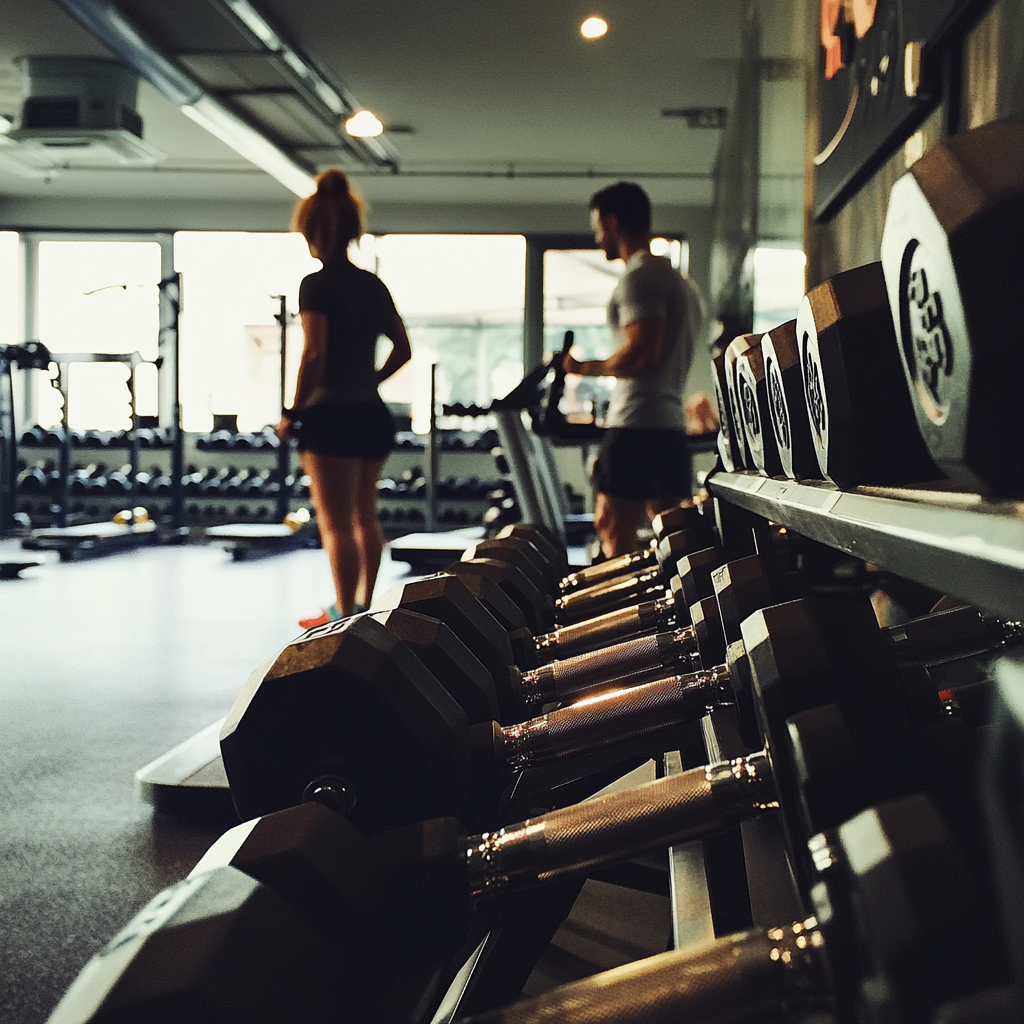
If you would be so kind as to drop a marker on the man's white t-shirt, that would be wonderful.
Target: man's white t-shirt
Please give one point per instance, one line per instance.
(651, 289)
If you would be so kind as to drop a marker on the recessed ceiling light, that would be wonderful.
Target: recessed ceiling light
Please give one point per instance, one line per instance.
(659, 246)
(594, 27)
(364, 124)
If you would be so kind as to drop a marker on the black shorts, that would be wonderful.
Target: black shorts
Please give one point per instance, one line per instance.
(642, 463)
(355, 430)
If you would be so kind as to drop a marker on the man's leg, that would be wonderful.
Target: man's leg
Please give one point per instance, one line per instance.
(616, 521)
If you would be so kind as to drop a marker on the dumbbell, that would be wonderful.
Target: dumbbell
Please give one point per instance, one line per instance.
(213, 482)
(33, 480)
(530, 852)
(119, 481)
(34, 437)
(684, 517)
(528, 549)
(635, 587)
(770, 396)
(87, 478)
(952, 251)
(348, 701)
(807, 752)
(893, 895)
(217, 947)
(535, 603)
(858, 404)
(444, 600)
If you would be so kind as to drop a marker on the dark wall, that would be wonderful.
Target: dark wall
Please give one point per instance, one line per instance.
(734, 214)
(991, 86)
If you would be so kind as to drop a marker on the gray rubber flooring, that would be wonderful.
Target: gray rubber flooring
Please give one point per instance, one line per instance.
(104, 665)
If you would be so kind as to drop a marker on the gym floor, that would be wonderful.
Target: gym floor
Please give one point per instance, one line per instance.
(106, 664)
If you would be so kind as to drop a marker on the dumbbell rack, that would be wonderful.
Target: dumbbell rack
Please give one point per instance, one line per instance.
(954, 542)
(957, 543)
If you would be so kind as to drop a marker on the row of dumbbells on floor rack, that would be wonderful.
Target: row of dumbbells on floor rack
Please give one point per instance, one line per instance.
(216, 494)
(410, 782)
(233, 440)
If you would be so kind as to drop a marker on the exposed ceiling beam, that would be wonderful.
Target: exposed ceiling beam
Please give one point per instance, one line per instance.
(125, 40)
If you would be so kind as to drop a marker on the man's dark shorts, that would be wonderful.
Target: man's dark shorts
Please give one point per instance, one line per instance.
(641, 463)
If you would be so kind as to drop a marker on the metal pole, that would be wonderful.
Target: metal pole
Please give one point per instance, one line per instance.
(64, 383)
(533, 313)
(178, 449)
(284, 452)
(432, 454)
(9, 455)
(133, 456)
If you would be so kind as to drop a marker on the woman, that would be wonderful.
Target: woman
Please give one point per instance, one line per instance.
(343, 427)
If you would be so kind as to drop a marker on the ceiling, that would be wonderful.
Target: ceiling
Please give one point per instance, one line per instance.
(503, 104)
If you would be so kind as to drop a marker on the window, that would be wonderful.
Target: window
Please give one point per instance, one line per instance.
(99, 296)
(778, 285)
(11, 325)
(461, 297)
(577, 286)
(230, 342)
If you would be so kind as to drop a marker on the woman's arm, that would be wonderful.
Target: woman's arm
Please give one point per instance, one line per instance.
(401, 349)
(311, 366)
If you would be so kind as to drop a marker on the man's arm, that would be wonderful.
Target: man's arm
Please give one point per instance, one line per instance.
(638, 353)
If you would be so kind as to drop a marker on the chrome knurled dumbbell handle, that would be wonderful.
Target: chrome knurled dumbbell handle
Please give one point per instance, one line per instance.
(741, 978)
(566, 679)
(615, 716)
(621, 624)
(610, 828)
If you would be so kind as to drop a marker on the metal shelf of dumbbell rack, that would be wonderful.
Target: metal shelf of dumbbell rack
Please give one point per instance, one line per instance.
(961, 544)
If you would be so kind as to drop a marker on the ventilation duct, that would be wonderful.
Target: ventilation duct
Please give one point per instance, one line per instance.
(81, 110)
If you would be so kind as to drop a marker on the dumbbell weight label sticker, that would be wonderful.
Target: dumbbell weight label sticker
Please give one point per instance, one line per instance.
(777, 404)
(924, 335)
(814, 392)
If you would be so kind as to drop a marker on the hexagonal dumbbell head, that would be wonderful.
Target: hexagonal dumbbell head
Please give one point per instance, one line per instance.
(914, 899)
(323, 867)
(694, 572)
(542, 538)
(348, 709)
(536, 605)
(680, 517)
(447, 598)
(741, 587)
(861, 416)
(496, 601)
(399, 899)
(219, 947)
(708, 625)
(786, 403)
(448, 659)
(755, 408)
(952, 250)
(730, 443)
(520, 553)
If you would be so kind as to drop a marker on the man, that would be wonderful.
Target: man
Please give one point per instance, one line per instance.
(654, 314)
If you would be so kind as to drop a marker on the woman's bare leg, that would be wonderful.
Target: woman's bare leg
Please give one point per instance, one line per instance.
(368, 532)
(334, 489)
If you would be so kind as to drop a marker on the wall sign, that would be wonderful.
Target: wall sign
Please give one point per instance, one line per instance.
(881, 66)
